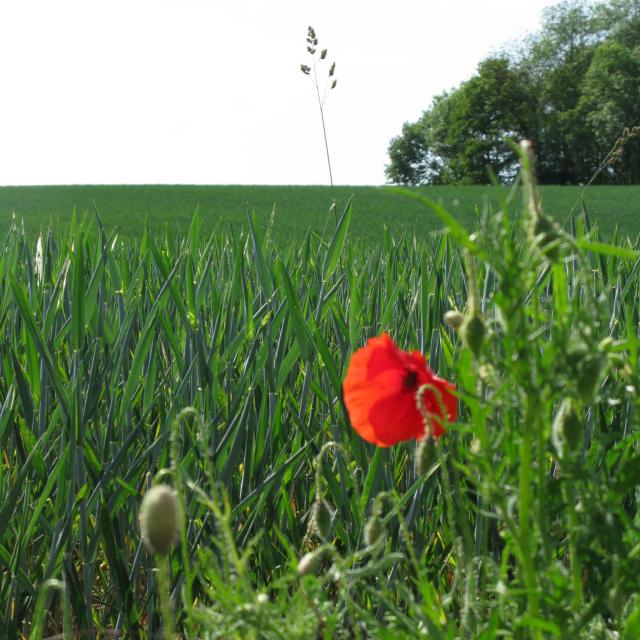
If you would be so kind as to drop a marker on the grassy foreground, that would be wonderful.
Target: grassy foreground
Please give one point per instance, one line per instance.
(169, 209)
(525, 523)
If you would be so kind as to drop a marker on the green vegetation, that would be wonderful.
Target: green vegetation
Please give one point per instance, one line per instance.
(214, 363)
(170, 209)
(572, 88)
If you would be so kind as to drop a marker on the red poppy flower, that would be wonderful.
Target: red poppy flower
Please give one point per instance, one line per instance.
(379, 392)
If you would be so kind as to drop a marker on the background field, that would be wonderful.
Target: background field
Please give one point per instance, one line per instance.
(105, 343)
(170, 208)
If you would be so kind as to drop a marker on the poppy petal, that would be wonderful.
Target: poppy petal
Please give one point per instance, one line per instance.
(379, 393)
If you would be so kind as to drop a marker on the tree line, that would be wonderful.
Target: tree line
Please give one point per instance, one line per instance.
(573, 88)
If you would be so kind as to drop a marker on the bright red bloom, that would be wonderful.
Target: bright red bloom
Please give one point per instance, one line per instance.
(379, 392)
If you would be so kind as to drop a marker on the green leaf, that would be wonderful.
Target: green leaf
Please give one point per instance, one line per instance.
(605, 249)
(454, 227)
(78, 296)
(337, 242)
(258, 256)
(300, 327)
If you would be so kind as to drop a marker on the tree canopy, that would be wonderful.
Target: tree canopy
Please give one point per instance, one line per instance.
(572, 88)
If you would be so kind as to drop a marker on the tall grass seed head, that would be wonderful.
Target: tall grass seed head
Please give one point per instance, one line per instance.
(160, 519)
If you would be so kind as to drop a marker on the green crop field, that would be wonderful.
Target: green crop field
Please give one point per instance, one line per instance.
(296, 209)
(213, 363)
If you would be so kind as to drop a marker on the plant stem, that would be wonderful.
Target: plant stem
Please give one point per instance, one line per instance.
(526, 547)
(162, 564)
(324, 128)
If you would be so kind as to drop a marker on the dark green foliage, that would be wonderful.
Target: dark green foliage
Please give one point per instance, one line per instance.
(572, 89)
(293, 211)
(106, 341)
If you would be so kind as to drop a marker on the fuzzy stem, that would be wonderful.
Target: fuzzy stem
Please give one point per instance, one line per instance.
(162, 565)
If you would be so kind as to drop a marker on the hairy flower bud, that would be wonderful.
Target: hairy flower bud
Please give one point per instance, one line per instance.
(547, 237)
(321, 518)
(323, 54)
(473, 332)
(373, 530)
(589, 374)
(310, 562)
(454, 319)
(425, 455)
(160, 519)
(567, 428)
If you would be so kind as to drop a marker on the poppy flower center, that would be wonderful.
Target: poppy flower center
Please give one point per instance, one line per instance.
(410, 380)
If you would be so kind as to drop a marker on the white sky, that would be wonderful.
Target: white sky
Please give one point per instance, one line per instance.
(210, 91)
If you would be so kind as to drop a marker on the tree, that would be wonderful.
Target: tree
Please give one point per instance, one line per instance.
(571, 88)
(557, 59)
(408, 156)
(467, 131)
(487, 111)
(611, 102)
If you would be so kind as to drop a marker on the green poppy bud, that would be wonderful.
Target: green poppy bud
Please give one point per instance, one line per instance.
(373, 530)
(425, 455)
(588, 375)
(160, 519)
(454, 319)
(567, 428)
(473, 332)
(616, 601)
(547, 237)
(321, 518)
(310, 562)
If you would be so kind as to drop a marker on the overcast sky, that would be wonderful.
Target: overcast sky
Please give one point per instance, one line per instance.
(210, 92)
